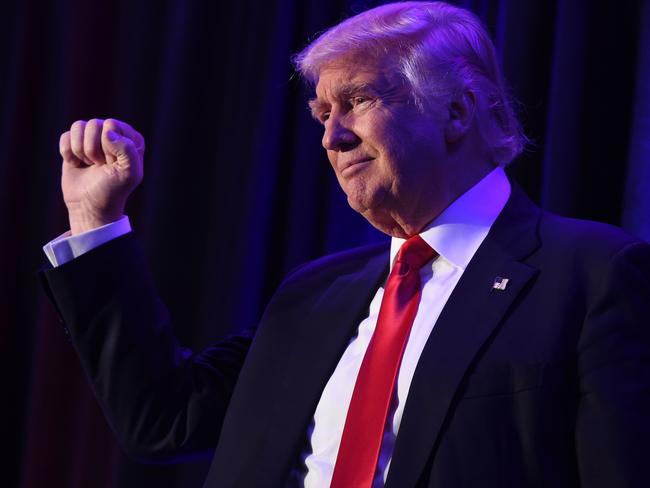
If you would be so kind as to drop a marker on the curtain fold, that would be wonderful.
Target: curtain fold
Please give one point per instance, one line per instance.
(237, 189)
(636, 205)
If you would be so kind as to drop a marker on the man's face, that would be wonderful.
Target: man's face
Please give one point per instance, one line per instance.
(390, 158)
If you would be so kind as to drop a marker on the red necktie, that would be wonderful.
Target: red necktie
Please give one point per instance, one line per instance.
(356, 461)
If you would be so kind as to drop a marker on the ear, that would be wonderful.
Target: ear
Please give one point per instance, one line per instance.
(461, 115)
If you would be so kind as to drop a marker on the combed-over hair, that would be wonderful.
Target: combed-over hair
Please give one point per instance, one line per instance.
(440, 51)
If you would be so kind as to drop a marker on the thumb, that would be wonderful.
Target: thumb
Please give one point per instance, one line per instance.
(118, 147)
(112, 136)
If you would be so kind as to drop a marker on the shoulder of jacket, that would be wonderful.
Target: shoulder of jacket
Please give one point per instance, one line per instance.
(338, 263)
(584, 234)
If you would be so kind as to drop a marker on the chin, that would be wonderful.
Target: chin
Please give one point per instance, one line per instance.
(361, 205)
(362, 200)
(375, 215)
(384, 223)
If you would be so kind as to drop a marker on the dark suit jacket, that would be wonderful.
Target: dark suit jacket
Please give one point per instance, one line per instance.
(543, 384)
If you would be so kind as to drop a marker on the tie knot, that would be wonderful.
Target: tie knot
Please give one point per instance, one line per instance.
(414, 253)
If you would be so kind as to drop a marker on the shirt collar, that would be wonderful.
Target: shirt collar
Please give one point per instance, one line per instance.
(459, 230)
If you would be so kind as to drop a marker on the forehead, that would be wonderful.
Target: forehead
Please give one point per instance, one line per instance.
(343, 77)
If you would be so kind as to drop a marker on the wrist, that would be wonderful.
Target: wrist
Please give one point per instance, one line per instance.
(83, 220)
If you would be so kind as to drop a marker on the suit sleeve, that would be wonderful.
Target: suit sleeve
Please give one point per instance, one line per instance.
(164, 402)
(613, 421)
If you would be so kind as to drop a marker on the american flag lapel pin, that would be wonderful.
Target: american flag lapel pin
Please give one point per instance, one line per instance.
(500, 283)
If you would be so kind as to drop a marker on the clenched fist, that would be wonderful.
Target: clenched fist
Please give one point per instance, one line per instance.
(102, 164)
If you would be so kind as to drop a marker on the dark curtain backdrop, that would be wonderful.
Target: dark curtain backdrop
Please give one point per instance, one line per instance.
(237, 190)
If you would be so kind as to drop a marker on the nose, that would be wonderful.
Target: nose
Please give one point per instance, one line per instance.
(338, 136)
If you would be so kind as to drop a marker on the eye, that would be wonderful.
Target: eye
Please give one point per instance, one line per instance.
(324, 116)
(358, 101)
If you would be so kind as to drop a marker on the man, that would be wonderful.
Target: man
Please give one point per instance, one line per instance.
(506, 347)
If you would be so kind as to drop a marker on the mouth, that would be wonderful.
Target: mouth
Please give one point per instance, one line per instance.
(351, 167)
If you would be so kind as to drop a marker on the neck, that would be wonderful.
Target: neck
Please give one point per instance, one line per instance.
(411, 216)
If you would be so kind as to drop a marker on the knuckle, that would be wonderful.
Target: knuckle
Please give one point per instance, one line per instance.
(78, 125)
(76, 144)
(111, 124)
(94, 123)
(64, 145)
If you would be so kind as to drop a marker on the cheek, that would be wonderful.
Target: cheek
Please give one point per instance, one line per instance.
(386, 133)
(417, 143)
(393, 146)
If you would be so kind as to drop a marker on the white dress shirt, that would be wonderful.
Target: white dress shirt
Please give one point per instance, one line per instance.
(455, 235)
(67, 247)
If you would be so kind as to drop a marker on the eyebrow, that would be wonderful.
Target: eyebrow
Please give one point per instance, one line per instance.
(316, 106)
(343, 91)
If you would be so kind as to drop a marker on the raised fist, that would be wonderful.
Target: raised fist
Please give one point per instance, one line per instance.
(102, 164)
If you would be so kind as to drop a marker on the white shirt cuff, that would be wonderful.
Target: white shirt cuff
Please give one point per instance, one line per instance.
(66, 247)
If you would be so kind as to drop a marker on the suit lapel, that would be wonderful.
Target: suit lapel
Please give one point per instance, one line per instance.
(460, 332)
(320, 343)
